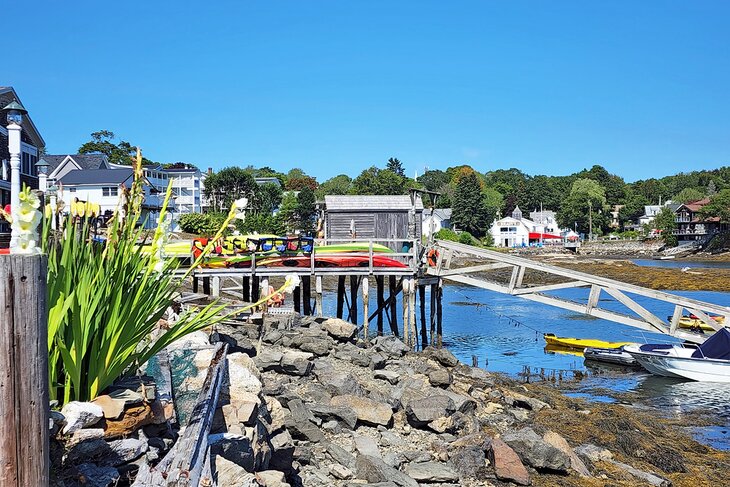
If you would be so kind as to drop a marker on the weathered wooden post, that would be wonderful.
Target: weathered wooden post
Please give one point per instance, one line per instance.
(318, 293)
(216, 287)
(406, 314)
(24, 447)
(393, 287)
(412, 312)
(255, 289)
(354, 285)
(439, 313)
(380, 283)
(422, 306)
(246, 289)
(307, 295)
(365, 308)
(264, 291)
(340, 295)
(297, 298)
(432, 311)
(206, 286)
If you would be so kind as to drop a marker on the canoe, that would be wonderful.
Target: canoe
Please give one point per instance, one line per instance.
(580, 343)
(615, 356)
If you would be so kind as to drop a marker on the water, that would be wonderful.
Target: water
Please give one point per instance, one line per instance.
(706, 264)
(505, 334)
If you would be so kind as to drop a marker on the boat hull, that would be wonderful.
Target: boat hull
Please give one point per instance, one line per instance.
(677, 362)
(610, 356)
(580, 343)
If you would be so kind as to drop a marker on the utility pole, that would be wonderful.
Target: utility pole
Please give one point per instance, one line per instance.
(590, 220)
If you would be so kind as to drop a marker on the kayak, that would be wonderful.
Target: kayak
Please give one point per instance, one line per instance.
(694, 323)
(580, 343)
(553, 349)
(330, 261)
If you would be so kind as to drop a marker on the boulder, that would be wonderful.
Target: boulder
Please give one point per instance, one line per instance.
(440, 378)
(388, 375)
(420, 412)
(368, 411)
(442, 356)
(338, 383)
(525, 402)
(282, 454)
(376, 470)
(507, 464)
(106, 454)
(340, 472)
(271, 478)
(469, 462)
(236, 338)
(390, 346)
(226, 472)
(593, 453)
(339, 329)
(561, 444)
(430, 472)
(377, 361)
(340, 455)
(296, 363)
(536, 452)
(366, 446)
(647, 477)
(317, 346)
(342, 415)
(92, 476)
(234, 448)
(79, 415)
(268, 360)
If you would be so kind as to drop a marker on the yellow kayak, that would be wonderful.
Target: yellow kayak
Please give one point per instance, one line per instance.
(689, 322)
(563, 350)
(580, 343)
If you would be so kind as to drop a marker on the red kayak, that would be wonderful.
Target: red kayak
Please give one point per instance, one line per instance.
(331, 261)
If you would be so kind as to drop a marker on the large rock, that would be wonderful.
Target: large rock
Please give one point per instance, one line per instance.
(430, 472)
(106, 454)
(235, 448)
(389, 375)
(442, 356)
(525, 402)
(92, 476)
(440, 378)
(271, 478)
(507, 464)
(226, 472)
(375, 470)
(593, 453)
(338, 383)
(647, 477)
(282, 446)
(368, 411)
(343, 415)
(236, 338)
(80, 415)
(390, 346)
(469, 462)
(317, 346)
(420, 412)
(536, 452)
(367, 446)
(340, 455)
(296, 363)
(268, 360)
(561, 444)
(340, 329)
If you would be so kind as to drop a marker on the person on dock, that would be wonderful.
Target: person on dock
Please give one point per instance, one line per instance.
(277, 299)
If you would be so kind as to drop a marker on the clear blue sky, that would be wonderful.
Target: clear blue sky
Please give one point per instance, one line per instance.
(642, 87)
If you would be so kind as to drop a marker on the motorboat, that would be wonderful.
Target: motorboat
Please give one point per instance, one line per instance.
(709, 362)
(580, 343)
(617, 356)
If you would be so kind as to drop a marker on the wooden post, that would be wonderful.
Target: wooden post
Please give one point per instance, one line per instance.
(393, 308)
(439, 314)
(422, 306)
(264, 292)
(255, 289)
(307, 295)
(246, 289)
(195, 284)
(412, 312)
(354, 285)
(432, 310)
(365, 310)
(340, 295)
(406, 314)
(24, 398)
(380, 283)
(216, 286)
(297, 298)
(206, 286)
(318, 293)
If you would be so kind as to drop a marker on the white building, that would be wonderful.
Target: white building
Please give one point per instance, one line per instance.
(188, 184)
(516, 231)
(439, 220)
(650, 212)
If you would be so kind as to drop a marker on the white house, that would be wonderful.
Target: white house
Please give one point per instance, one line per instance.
(61, 164)
(650, 212)
(516, 231)
(439, 220)
(103, 187)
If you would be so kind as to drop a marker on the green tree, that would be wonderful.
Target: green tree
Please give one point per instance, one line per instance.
(340, 184)
(434, 179)
(718, 207)
(469, 212)
(288, 212)
(632, 209)
(379, 181)
(267, 198)
(614, 186)
(666, 222)
(306, 211)
(102, 142)
(396, 166)
(586, 203)
(687, 195)
(493, 202)
(296, 179)
(230, 184)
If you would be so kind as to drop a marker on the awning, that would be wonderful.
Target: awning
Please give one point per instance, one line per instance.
(544, 236)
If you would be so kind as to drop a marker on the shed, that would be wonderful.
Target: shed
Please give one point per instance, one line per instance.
(382, 218)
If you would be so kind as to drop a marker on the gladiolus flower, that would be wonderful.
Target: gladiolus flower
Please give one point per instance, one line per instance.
(292, 281)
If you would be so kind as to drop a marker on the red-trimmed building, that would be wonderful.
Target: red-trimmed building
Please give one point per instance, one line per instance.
(693, 227)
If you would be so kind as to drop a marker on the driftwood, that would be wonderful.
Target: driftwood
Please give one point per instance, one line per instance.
(185, 464)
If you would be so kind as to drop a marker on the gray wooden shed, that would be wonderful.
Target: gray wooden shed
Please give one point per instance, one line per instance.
(384, 219)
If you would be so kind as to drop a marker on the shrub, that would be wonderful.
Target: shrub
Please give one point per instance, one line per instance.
(201, 224)
(446, 234)
(466, 238)
(261, 223)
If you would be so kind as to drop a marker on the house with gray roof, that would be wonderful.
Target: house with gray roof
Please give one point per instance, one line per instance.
(61, 164)
(435, 220)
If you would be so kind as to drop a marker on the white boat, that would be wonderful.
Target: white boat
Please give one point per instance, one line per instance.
(710, 362)
(615, 356)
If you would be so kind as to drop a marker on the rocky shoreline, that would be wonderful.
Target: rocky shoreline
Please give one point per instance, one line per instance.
(307, 403)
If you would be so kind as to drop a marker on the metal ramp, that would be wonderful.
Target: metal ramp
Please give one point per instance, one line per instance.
(637, 315)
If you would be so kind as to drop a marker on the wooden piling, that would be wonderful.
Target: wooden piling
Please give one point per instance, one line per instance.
(365, 308)
(432, 311)
(246, 289)
(215, 287)
(255, 289)
(195, 284)
(340, 295)
(406, 314)
(393, 288)
(422, 306)
(206, 286)
(439, 314)
(307, 295)
(24, 447)
(412, 312)
(354, 286)
(264, 292)
(318, 295)
(297, 298)
(380, 283)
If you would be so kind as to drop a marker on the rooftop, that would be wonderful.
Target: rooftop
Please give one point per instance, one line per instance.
(97, 176)
(370, 202)
(84, 161)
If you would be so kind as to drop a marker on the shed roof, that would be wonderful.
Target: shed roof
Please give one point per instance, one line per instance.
(97, 176)
(370, 202)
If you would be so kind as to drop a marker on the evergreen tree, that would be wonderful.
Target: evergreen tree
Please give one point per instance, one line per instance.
(396, 166)
(469, 212)
(306, 211)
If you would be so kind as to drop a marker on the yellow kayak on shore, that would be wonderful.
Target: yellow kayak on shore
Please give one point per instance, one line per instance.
(580, 343)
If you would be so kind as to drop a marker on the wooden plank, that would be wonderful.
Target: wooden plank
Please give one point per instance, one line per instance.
(468, 270)
(549, 287)
(24, 447)
(432, 311)
(307, 295)
(412, 311)
(674, 322)
(297, 299)
(593, 298)
(406, 321)
(514, 277)
(439, 314)
(706, 318)
(340, 295)
(255, 289)
(394, 290)
(638, 309)
(216, 286)
(354, 287)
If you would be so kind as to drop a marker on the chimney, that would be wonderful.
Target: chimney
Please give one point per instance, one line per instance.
(210, 171)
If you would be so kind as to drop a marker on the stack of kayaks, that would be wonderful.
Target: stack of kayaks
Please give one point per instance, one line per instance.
(692, 322)
(596, 350)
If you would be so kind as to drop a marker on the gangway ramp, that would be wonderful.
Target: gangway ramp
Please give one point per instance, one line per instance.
(636, 315)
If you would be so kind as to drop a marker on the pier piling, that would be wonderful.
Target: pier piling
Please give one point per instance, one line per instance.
(422, 306)
(307, 295)
(354, 286)
(380, 283)
(365, 310)
(318, 295)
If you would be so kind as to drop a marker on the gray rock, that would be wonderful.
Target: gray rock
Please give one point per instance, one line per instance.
(561, 444)
(368, 411)
(268, 360)
(272, 336)
(353, 354)
(238, 450)
(271, 478)
(536, 452)
(440, 378)
(317, 346)
(94, 476)
(304, 430)
(236, 338)
(469, 462)
(282, 454)
(476, 376)
(394, 459)
(106, 454)
(640, 474)
(79, 415)
(367, 446)
(430, 472)
(388, 438)
(296, 363)
(420, 412)
(340, 472)
(340, 329)
(377, 361)
(343, 415)
(389, 375)
(525, 402)
(463, 404)
(340, 455)
(442, 356)
(226, 472)
(593, 453)
(339, 383)
(375, 470)
(390, 345)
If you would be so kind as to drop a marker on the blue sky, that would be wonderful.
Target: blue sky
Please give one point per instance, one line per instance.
(336, 86)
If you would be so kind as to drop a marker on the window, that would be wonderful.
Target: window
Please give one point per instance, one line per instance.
(109, 191)
(71, 190)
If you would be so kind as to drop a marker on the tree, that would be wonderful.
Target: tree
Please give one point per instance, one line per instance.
(711, 188)
(396, 166)
(632, 208)
(341, 184)
(585, 204)
(296, 179)
(306, 211)
(493, 202)
(687, 195)
(102, 143)
(718, 207)
(267, 198)
(469, 212)
(379, 181)
(614, 186)
(230, 184)
(288, 212)
(434, 179)
(666, 222)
